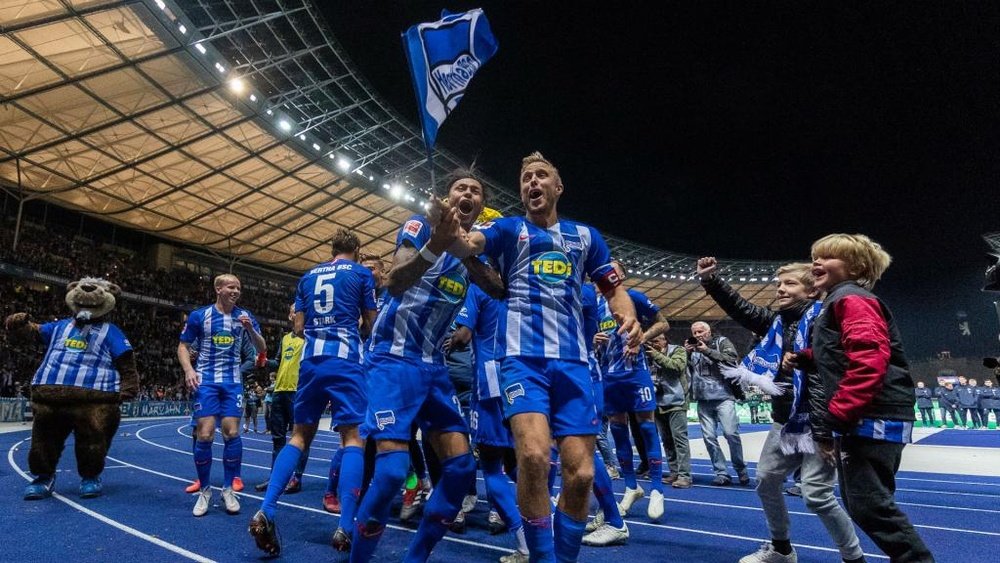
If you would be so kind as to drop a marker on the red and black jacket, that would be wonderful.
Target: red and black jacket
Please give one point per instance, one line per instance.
(857, 359)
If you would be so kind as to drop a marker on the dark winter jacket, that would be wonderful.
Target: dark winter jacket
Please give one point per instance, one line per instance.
(924, 398)
(857, 357)
(758, 320)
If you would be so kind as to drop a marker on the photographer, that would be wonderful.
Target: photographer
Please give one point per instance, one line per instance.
(716, 397)
(667, 364)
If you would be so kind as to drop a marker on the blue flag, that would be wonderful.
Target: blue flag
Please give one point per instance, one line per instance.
(443, 56)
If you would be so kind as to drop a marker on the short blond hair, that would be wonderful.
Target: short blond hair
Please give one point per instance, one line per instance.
(801, 270)
(536, 157)
(865, 259)
(221, 279)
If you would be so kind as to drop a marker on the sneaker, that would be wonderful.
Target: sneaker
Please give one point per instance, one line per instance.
(794, 491)
(596, 523)
(194, 487)
(265, 534)
(682, 483)
(204, 501)
(631, 495)
(669, 479)
(458, 524)
(495, 523)
(331, 503)
(237, 484)
(260, 487)
(607, 535)
(722, 481)
(40, 488)
(294, 485)
(469, 503)
(341, 541)
(613, 472)
(229, 500)
(90, 488)
(744, 479)
(767, 554)
(655, 508)
(515, 557)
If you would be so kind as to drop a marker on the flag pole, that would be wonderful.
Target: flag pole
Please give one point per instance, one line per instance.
(430, 163)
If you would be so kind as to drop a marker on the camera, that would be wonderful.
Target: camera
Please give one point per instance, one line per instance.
(692, 341)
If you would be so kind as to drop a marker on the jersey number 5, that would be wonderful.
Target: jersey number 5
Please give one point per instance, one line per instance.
(323, 294)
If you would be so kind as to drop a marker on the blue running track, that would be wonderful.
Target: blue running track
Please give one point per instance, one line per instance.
(145, 516)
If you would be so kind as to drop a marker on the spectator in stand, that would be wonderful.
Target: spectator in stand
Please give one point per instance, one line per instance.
(968, 403)
(989, 400)
(668, 364)
(948, 403)
(925, 403)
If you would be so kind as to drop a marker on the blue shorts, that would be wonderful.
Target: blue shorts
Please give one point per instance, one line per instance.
(402, 391)
(486, 422)
(326, 379)
(599, 397)
(218, 399)
(629, 392)
(561, 390)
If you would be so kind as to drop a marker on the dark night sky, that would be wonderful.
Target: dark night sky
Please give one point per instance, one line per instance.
(743, 131)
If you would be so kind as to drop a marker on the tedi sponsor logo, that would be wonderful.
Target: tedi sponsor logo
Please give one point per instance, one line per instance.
(223, 339)
(552, 267)
(452, 286)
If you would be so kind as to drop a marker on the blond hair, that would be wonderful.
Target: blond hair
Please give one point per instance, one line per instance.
(801, 270)
(221, 279)
(865, 259)
(537, 157)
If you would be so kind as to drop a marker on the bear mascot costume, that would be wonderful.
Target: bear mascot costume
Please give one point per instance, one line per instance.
(88, 370)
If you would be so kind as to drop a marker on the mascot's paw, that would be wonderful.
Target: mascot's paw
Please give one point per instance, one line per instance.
(40, 488)
(91, 488)
(16, 321)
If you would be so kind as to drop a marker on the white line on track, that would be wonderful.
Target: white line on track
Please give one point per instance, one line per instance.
(113, 523)
(311, 509)
(467, 542)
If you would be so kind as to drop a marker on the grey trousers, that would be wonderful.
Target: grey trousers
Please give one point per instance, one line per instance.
(674, 434)
(818, 479)
(722, 413)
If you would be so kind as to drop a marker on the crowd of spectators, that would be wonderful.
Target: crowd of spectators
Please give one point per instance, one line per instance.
(58, 251)
(152, 330)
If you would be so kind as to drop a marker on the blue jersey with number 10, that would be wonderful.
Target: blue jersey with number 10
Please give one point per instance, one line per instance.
(332, 296)
(415, 323)
(543, 270)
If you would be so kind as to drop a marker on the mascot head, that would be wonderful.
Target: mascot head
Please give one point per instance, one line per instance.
(91, 298)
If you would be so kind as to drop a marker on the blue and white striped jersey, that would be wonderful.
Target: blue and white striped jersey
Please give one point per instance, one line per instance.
(591, 319)
(480, 315)
(415, 324)
(219, 336)
(612, 355)
(543, 270)
(332, 296)
(81, 356)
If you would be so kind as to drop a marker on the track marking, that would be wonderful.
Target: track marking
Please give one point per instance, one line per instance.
(113, 523)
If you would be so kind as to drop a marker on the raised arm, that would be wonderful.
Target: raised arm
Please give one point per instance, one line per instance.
(21, 326)
(410, 263)
(485, 277)
(752, 317)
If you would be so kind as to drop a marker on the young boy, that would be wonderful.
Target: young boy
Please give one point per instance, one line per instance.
(789, 444)
(865, 415)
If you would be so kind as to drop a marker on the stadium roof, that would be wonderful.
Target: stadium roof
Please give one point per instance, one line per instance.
(242, 127)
